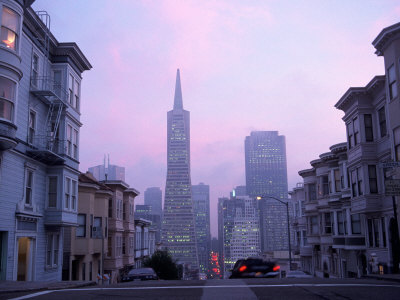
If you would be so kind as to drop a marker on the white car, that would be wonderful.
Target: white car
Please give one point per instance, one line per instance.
(297, 274)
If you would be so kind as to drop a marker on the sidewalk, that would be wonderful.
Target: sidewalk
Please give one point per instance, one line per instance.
(30, 286)
(386, 277)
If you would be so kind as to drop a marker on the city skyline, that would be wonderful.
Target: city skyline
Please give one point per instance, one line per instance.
(230, 53)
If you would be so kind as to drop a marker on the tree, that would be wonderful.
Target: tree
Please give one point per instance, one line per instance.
(163, 264)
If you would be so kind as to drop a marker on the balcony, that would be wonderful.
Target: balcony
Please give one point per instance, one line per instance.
(349, 242)
(7, 135)
(47, 150)
(48, 90)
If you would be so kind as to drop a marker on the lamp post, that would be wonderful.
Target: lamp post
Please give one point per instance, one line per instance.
(288, 223)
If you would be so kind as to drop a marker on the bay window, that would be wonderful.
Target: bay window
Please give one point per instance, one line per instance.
(382, 121)
(369, 134)
(52, 249)
(52, 202)
(7, 98)
(9, 28)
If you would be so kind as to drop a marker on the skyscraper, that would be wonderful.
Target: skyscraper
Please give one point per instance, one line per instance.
(266, 174)
(153, 197)
(201, 209)
(178, 222)
(107, 171)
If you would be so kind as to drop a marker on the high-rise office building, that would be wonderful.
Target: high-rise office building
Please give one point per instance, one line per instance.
(153, 198)
(201, 209)
(107, 171)
(178, 234)
(266, 174)
(239, 232)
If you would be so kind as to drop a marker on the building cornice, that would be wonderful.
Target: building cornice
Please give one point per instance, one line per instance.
(384, 38)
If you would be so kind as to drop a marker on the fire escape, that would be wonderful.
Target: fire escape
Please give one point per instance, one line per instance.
(45, 144)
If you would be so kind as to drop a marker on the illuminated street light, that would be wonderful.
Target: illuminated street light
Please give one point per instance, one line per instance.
(288, 224)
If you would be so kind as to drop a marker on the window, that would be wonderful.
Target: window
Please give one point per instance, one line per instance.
(355, 224)
(9, 28)
(67, 192)
(360, 181)
(90, 270)
(369, 134)
(74, 193)
(314, 224)
(52, 249)
(370, 233)
(75, 143)
(91, 226)
(131, 245)
(28, 186)
(76, 95)
(123, 245)
(373, 183)
(312, 191)
(81, 229)
(325, 185)
(392, 82)
(356, 125)
(354, 183)
(7, 98)
(35, 70)
(57, 82)
(338, 180)
(382, 121)
(52, 192)
(342, 224)
(328, 223)
(71, 90)
(350, 136)
(32, 126)
(304, 238)
(124, 212)
(119, 246)
(396, 134)
(72, 142)
(97, 222)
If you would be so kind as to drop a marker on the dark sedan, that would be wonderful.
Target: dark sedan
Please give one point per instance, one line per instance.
(254, 268)
(140, 274)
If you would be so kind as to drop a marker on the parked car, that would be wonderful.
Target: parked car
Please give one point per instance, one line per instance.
(254, 268)
(140, 274)
(297, 274)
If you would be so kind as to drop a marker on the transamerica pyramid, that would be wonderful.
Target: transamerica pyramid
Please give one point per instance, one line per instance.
(178, 234)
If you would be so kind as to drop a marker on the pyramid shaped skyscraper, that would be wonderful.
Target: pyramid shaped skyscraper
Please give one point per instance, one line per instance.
(178, 222)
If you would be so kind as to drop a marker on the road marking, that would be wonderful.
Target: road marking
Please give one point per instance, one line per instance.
(33, 295)
(210, 287)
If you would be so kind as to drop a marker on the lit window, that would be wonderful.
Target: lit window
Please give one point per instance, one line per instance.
(9, 28)
(7, 98)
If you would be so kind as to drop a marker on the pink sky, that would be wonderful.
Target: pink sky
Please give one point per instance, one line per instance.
(245, 65)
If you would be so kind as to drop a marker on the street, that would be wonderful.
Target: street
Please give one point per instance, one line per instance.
(229, 289)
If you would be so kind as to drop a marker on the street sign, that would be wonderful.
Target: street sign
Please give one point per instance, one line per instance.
(392, 187)
(390, 164)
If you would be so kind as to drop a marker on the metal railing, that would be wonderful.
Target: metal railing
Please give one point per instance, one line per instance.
(48, 84)
(46, 143)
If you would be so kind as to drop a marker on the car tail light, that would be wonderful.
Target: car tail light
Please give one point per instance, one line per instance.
(276, 268)
(242, 268)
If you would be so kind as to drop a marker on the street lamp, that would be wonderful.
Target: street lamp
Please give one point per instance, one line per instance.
(288, 224)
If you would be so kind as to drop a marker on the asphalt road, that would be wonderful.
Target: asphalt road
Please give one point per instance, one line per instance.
(232, 289)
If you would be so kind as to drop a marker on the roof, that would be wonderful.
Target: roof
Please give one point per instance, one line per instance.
(386, 36)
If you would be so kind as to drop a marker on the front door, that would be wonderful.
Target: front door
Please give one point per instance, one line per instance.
(24, 267)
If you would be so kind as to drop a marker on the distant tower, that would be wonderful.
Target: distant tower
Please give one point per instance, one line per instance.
(201, 209)
(153, 198)
(178, 222)
(266, 174)
(108, 171)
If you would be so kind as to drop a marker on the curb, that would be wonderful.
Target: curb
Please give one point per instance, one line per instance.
(382, 278)
(22, 290)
